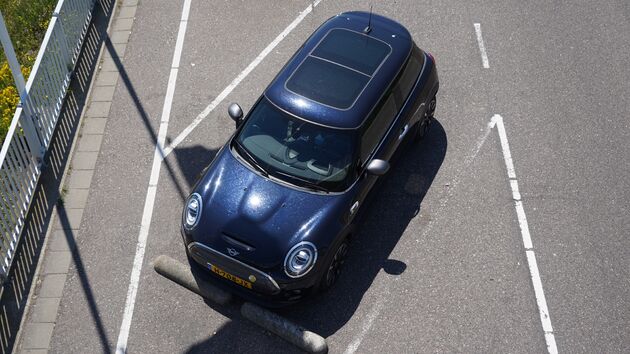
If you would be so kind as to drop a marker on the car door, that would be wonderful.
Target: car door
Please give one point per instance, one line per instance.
(374, 144)
(408, 99)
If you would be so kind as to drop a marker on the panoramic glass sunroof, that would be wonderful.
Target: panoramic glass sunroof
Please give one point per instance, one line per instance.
(352, 49)
(327, 83)
(339, 68)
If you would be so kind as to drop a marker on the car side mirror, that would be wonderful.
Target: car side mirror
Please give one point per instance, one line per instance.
(236, 113)
(378, 167)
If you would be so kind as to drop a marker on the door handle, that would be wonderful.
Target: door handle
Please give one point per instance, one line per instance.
(403, 132)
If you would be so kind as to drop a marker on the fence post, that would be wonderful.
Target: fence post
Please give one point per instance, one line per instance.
(37, 114)
(29, 127)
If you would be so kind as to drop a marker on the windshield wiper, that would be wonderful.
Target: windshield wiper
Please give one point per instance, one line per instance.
(250, 159)
(307, 183)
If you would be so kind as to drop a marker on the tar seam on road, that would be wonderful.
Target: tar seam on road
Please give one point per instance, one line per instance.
(161, 153)
(545, 320)
(147, 213)
(482, 47)
(226, 91)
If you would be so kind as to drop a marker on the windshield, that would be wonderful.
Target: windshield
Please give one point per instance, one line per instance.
(296, 151)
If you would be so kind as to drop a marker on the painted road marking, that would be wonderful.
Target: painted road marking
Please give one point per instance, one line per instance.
(161, 153)
(226, 91)
(365, 328)
(545, 320)
(376, 309)
(482, 47)
(147, 213)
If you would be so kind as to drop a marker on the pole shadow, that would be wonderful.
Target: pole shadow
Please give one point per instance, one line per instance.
(131, 90)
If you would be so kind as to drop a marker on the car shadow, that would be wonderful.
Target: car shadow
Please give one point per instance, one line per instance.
(392, 207)
(191, 161)
(396, 202)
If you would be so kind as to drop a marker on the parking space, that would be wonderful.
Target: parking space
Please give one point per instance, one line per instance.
(439, 263)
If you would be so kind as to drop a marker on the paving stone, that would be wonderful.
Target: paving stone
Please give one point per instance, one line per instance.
(72, 219)
(75, 198)
(80, 179)
(57, 262)
(123, 24)
(127, 12)
(62, 240)
(118, 51)
(130, 3)
(34, 351)
(45, 310)
(108, 65)
(102, 93)
(84, 160)
(107, 78)
(94, 126)
(37, 335)
(90, 142)
(52, 286)
(98, 110)
(121, 37)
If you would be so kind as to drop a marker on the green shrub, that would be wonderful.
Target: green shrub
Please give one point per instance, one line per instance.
(26, 22)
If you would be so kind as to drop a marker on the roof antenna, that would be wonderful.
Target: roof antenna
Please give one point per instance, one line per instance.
(367, 29)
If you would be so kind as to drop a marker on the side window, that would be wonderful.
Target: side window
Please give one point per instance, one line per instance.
(410, 75)
(378, 127)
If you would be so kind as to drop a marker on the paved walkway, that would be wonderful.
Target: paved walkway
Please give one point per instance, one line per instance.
(39, 323)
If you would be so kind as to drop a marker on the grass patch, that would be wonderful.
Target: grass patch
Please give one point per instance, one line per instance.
(27, 21)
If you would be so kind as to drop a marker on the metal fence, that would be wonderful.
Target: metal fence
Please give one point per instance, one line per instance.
(35, 119)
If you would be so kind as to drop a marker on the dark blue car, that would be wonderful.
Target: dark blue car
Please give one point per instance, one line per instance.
(272, 216)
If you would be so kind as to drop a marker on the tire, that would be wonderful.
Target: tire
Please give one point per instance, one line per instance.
(334, 266)
(422, 127)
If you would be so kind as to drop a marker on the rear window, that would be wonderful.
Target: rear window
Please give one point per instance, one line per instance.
(327, 83)
(354, 50)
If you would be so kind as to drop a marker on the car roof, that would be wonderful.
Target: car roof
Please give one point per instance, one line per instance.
(340, 72)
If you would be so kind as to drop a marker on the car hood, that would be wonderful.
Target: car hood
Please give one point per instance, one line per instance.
(257, 220)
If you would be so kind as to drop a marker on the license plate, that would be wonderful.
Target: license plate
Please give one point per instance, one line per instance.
(230, 277)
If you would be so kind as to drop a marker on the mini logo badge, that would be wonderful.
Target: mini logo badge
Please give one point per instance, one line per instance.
(232, 252)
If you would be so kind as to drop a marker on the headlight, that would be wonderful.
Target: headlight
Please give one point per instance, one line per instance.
(300, 259)
(192, 211)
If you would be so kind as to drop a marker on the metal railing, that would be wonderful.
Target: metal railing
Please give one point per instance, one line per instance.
(35, 119)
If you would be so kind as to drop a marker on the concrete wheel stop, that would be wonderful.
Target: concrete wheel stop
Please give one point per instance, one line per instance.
(181, 274)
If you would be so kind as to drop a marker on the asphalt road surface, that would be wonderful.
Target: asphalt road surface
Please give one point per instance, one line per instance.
(439, 264)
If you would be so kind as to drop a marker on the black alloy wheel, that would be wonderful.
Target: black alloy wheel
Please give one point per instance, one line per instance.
(425, 123)
(334, 268)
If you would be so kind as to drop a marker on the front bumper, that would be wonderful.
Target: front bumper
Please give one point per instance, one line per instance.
(260, 282)
(264, 290)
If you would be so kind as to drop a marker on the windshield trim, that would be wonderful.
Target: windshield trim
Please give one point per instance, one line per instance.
(272, 173)
(277, 180)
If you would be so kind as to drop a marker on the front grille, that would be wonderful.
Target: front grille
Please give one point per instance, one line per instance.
(207, 256)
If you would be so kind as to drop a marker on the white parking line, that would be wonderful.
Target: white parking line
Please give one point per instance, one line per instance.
(527, 241)
(160, 153)
(147, 213)
(482, 47)
(368, 321)
(226, 91)
(367, 324)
